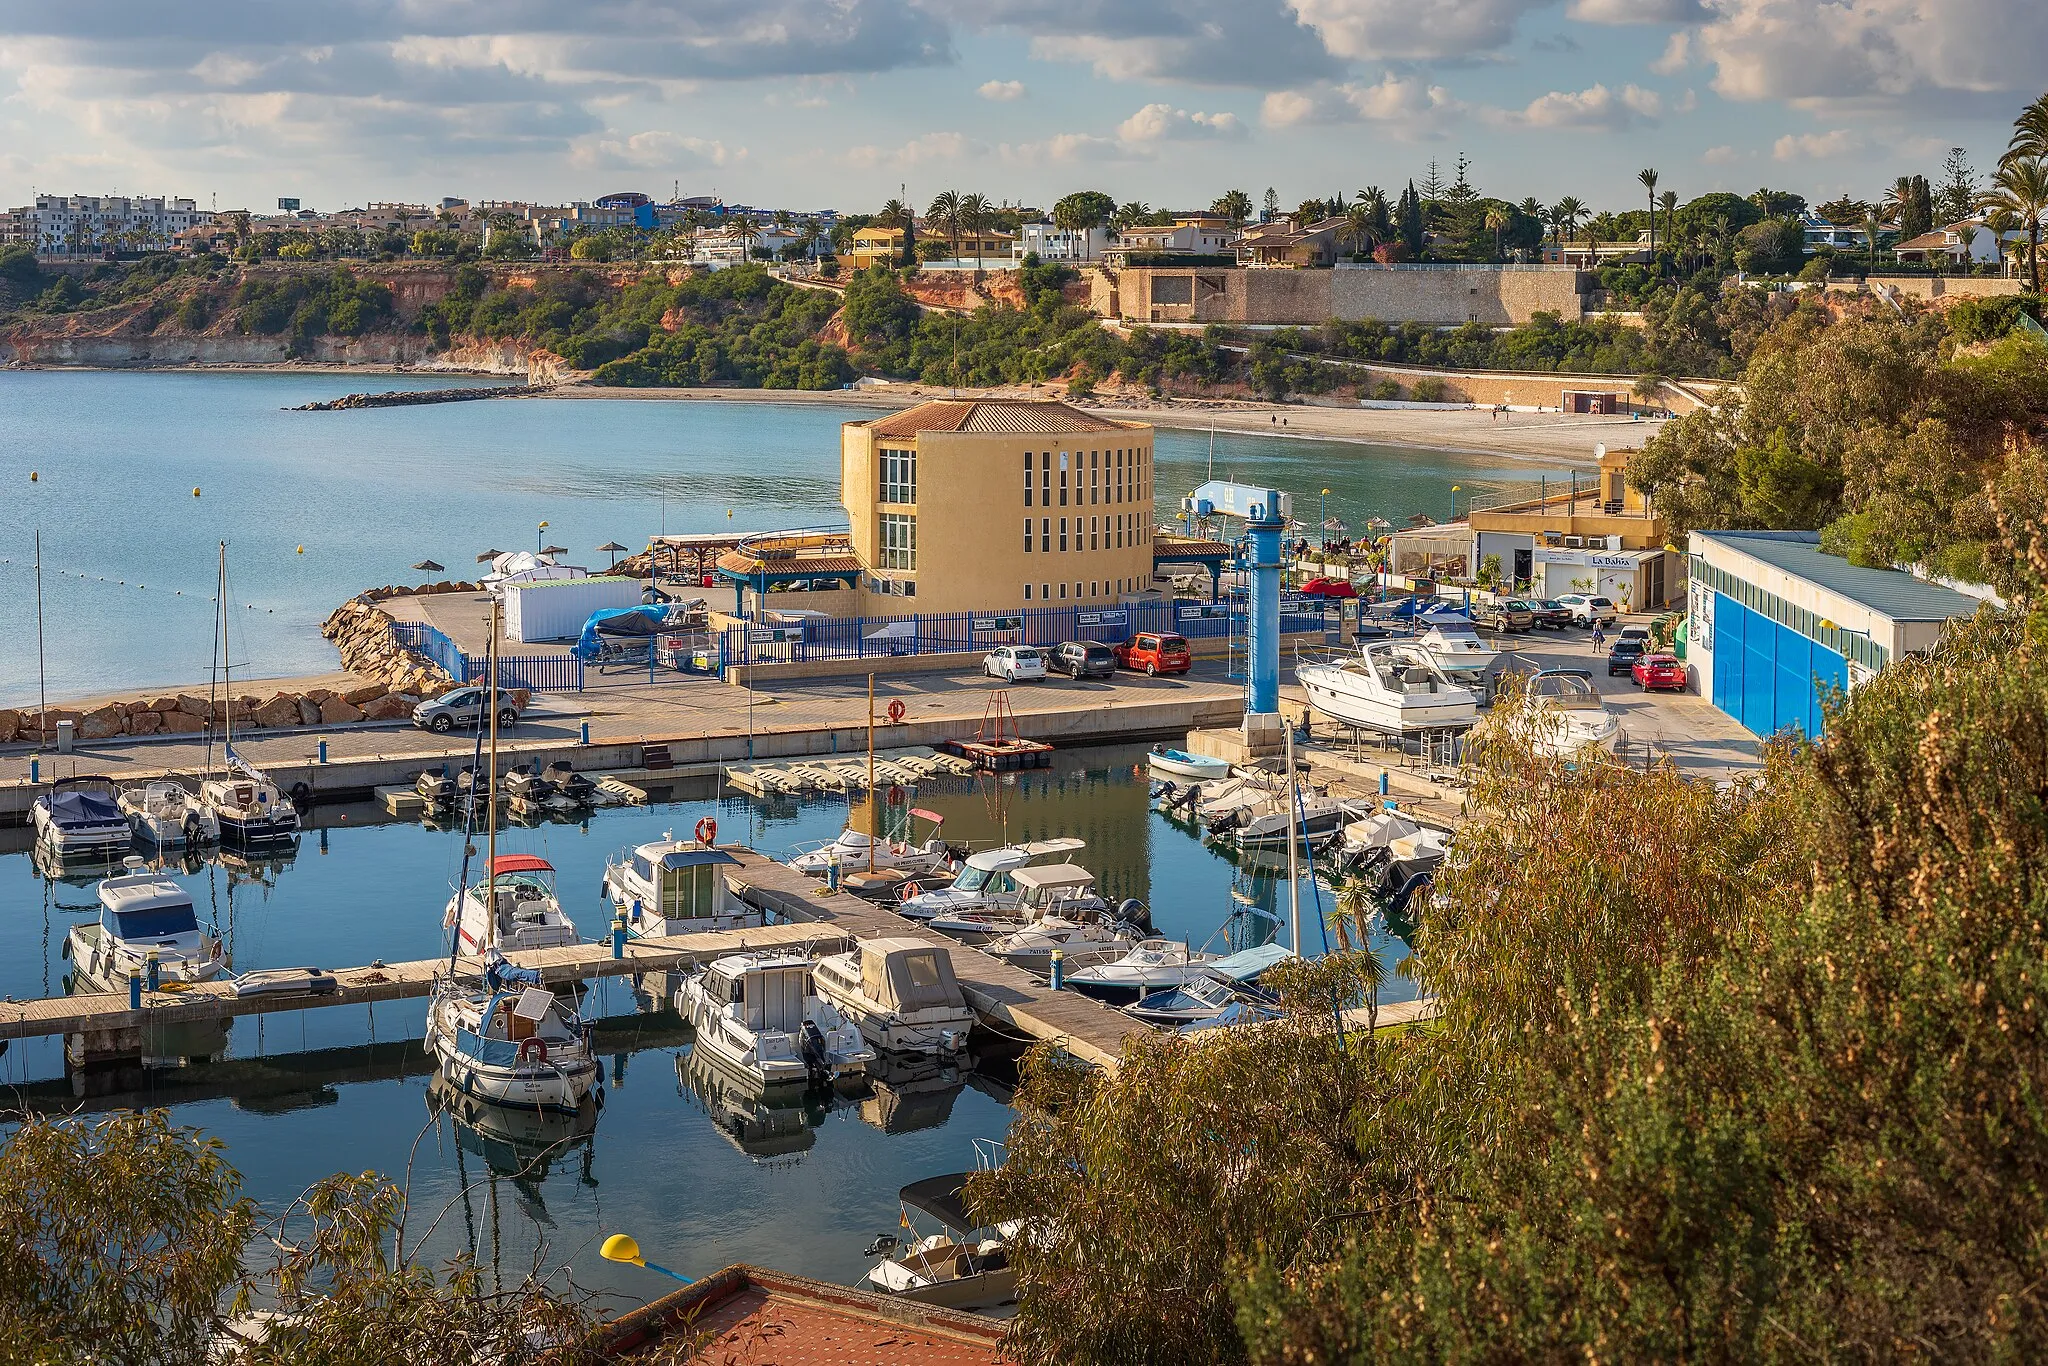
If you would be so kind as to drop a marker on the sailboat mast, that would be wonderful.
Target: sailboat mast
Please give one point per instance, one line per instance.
(42, 682)
(871, 773)
(1293, 852)
(491, 797)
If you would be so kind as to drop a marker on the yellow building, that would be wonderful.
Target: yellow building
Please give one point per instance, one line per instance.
(997, 503)
(876, 246)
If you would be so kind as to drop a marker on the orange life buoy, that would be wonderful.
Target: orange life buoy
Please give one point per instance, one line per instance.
(896, 710)
(907, 891)
(533, 1050)
(707, 830)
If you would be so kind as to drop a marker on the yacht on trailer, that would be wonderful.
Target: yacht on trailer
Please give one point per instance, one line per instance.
(1394, 686)
(1457, 648)
(1566, 713)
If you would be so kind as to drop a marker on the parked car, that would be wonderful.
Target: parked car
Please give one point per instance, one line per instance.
(1508, 614)
(1082, 659)
(1551, 613)
(1156, 653)
(1623, 654)
(464, 707)
(1323, 586)
(1658, 671)
(1015, 663)
(1587, 610)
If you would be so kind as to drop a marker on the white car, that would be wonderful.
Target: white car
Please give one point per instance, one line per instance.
(1587, 610)
(1015, 663)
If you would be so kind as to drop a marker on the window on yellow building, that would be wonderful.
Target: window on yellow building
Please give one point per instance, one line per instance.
(1044, 534)
(1063, 535)
(899, 541)
(1027, 479)
(1027, 535)
(899, 476)
(1094, 533)
(1063, 478)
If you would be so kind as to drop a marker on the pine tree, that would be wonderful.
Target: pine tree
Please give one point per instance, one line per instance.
(1958, 196)
(1271, 207)
(1461, 194)
(1410, 214)
(1432, 184)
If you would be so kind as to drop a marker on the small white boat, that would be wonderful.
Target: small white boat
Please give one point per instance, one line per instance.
(521, 888)
(141, 914)
(672, 886)
(901, 994)
(247, 807)
(1566, 713)
(1264, 822)
(1080, 943)
(1224, 983)
(760, 1015)
(512, 1041)
(986, 881)
(1053, 889)
(1178, 763)
(81, 815)
(1457, 649)
(1154, 965)
(169, 815)
(1394, 686)
(855, 852)
(967, 1266)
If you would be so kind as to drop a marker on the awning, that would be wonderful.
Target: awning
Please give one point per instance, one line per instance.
(943, 1198)
(521, 863)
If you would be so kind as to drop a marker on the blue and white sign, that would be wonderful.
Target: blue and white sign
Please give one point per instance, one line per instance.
(1202, 611)
(999, 623)
(1114, 616)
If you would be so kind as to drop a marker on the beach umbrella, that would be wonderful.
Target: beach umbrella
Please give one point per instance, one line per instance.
(613, 549)
(554, 550)
(488, 556)
(430, 567)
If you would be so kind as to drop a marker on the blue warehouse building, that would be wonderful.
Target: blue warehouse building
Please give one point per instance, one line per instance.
(1774, 624)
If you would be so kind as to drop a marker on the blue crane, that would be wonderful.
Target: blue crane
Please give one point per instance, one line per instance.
(1265, 513)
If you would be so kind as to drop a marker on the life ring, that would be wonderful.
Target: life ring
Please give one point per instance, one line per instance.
(533, 1050)
(895, 794)
(903, 893)
(896, 711)
(707, 830)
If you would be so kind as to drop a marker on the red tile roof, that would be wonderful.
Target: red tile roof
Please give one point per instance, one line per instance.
(1005, 416)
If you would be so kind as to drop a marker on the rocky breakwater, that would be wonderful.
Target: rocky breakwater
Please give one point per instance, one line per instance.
(367, 638)
(403, 398)
(185, 714)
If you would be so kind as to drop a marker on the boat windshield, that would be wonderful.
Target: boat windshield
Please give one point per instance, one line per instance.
(1572, 691)
(973, 879)
(157, 922)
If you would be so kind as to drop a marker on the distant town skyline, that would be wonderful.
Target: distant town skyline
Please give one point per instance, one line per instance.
(840, 102)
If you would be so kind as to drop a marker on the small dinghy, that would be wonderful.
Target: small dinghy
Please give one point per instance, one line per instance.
(1178, 763)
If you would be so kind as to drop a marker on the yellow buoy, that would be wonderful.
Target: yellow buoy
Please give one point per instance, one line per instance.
(195, 493)
(33, 476)
(302, 550)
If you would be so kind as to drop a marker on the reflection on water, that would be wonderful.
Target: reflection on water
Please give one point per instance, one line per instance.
(767, 1123)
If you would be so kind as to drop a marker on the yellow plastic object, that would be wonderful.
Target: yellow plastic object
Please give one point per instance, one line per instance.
(620, 1247)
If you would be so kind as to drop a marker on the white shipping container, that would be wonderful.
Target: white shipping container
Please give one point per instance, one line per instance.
(555, 609)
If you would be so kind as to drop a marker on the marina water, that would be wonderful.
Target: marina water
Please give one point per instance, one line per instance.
(319, 506)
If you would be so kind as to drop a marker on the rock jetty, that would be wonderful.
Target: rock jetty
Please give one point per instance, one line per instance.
(402, 398)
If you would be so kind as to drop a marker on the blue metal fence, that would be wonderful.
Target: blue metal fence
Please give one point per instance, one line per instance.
(535, 673)
(436, 646)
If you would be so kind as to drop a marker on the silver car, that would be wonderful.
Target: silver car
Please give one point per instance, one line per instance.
(1015, 663)
(463, 707)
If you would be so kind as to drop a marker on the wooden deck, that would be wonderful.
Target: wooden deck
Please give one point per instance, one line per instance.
(98, 1014)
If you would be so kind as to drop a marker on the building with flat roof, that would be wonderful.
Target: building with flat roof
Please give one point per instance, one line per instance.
(985, 503)
(1775, 624)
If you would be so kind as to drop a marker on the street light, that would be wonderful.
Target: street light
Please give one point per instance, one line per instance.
(620, 1247)
(1326, 519)
(1454, 500)
(537, 533)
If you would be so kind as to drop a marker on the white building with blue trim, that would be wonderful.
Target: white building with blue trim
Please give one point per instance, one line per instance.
(1774, 624)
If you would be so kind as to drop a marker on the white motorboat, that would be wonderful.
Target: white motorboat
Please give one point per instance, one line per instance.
(671, 886)
(168, 814)
(856, 852)
(81, 815)
(1395, 686)
(1153, 965)
(1566, 713)
(1224, 983)
(1263, 822)
(142, 914)
(247, 807)
(1457, 648)
(1080, 943)
(1057, 889)
(760, 1015)
(901, 994)
(528, 914)
(966, 1266)
(1178, 763)
(986, 881)
(514, 1042)
(1375, 831)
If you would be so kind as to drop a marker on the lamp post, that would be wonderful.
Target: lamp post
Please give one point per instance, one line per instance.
(1454, 500)
(538, 532)
(1326, 519)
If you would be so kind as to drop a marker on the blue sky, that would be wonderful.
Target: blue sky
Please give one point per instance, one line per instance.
(814, 102)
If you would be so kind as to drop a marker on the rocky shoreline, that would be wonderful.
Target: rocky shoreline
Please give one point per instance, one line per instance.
(405, 398)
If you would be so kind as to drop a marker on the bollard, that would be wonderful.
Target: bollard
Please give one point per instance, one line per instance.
(619, 935)
(586, 733)
(35, 770)
(1383, 782)
(1059, 969)
(832, 873)
(154, 973)
(323, 751)
(135, 988)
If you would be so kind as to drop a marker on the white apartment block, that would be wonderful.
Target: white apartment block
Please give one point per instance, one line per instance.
(1060, 244)
(79, 224)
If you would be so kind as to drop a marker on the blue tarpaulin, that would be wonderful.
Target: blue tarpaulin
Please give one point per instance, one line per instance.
(619, 621)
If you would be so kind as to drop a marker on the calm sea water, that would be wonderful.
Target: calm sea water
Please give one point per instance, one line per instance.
(317, 506)
(701, 1176)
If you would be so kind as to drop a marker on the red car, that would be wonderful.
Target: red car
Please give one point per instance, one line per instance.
(1659, 671)
(1155, 652)
(1324, 587)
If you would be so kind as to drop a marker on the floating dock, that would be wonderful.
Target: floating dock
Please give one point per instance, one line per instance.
(845, 773)
(1005, 754)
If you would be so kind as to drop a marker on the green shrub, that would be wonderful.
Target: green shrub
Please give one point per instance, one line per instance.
(1387, 390)
(1430, 390)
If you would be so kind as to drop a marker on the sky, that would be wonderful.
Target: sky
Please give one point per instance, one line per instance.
(845, 103)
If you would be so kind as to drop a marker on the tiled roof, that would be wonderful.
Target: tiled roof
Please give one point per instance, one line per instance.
(1891, 593)
(995, 416)
(740, 562)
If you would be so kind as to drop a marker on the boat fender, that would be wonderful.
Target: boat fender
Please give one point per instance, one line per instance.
(302, 795)
(707, 831)
(533, 1050)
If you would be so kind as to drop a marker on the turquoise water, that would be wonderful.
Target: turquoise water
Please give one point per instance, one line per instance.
(129, 553)
(698, 1176)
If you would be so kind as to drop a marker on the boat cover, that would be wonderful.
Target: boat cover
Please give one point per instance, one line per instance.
(1246, 966)
(501, 975)
(521, 863)
(908, 975)
(645, 620)
(943, 1198)
(78, 806)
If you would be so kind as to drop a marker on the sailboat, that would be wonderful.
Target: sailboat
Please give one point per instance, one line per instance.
(508, 1040)
(242, 802)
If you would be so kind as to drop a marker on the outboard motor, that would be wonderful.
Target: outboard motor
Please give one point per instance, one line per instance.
(570, 784)
(435, 789)
(1189, 799)
(1414, 886)
(1160, 788)
(1134, 913)
(1228, 821)
(811, 1044)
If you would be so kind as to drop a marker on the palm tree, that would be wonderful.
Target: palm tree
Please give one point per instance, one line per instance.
(1352, 915)
(1565, 215)
(974, 215)
(1234, 205)
(2021, 189)
(893, 214)
(1498, 221)
(1723, 226)
(1669, 202)
(1357, 230)
(1131, 215)
(945, 211)
(1870, 233)
(1899, 196)
(2029, 134)
(1648, 176)
(742, 228)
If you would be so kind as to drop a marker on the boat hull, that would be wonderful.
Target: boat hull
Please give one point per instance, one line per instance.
(554, 1088)
(1369, 713)
(982, 1290)
(1182, 765)
(248, 832)
(82, 839)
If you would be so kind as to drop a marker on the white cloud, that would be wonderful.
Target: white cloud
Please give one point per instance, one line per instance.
(1595, 107)
(656, 149)
(1677, 54)
(1404, 106)
(1637, 11)
(1159, 122)
(1064, 148)
(1385, 30)
(1206, 42)
(1719, 156)
(1001, 92)
(1816, 146)
(918, 151)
